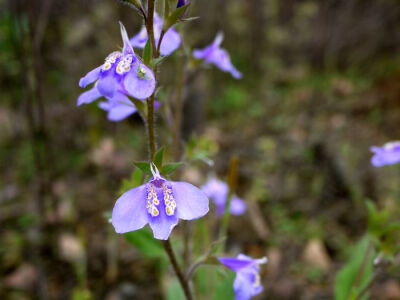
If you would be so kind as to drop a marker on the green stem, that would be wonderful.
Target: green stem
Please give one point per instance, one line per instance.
(150, 101)
(177, 269)
(150, 127)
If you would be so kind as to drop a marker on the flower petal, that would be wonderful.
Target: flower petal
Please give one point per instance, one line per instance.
(90, 77)
(120, 111)
(140, 39)
(108, 84)
(238, 206)
(88, 96)
(105, 105)
(162, 224)
(386, 155)
(129, 212)
(234, 263)
(140, 88)
(218, 39)
(191, 202)
(244, 286)
(221, 59)
(127, 45)
(202, 53)
(170, 42)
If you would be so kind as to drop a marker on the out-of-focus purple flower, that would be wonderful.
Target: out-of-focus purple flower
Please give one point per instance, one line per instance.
(218, 190)
(182, 3)
(388, 154)
(247, 282)
(161, 203)
(119, 107)
(171, 40)
(121, 73)
(218, 56)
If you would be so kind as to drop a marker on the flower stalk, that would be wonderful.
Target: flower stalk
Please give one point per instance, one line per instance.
(177, 269)
(152, 143)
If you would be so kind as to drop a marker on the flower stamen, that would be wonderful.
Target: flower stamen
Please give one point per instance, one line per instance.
(169, 201)
(152, 201)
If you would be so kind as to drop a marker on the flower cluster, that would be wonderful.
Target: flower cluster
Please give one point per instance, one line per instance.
(122, 74)
(247, 282)
(217, 190)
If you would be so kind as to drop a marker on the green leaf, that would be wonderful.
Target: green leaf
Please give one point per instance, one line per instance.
(135, 180)
(174, 291)
(144, 166)
(147, 52)
(157, 61)
(81, 293)
(158, 157)
(175, 16)
(171, 167)
(146, 244)
(224, 288)
(357, 273)
(166, 8)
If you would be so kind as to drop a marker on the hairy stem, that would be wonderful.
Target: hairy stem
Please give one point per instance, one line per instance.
(150, 101)
(177, 269)
(150, 127)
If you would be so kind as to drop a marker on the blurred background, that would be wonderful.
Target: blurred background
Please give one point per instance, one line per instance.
(321, 85)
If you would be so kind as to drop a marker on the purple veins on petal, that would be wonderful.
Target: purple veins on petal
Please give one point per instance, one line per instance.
(388, 154)
(171, 40)
(163, 203)
(214, 54)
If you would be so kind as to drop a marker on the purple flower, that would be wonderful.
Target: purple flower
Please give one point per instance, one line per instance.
(161, 203)
(182, 3)
(171, 40)
(247, 282)
(388, 154)
(121, 73)
(218, 56)
(218, 190)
